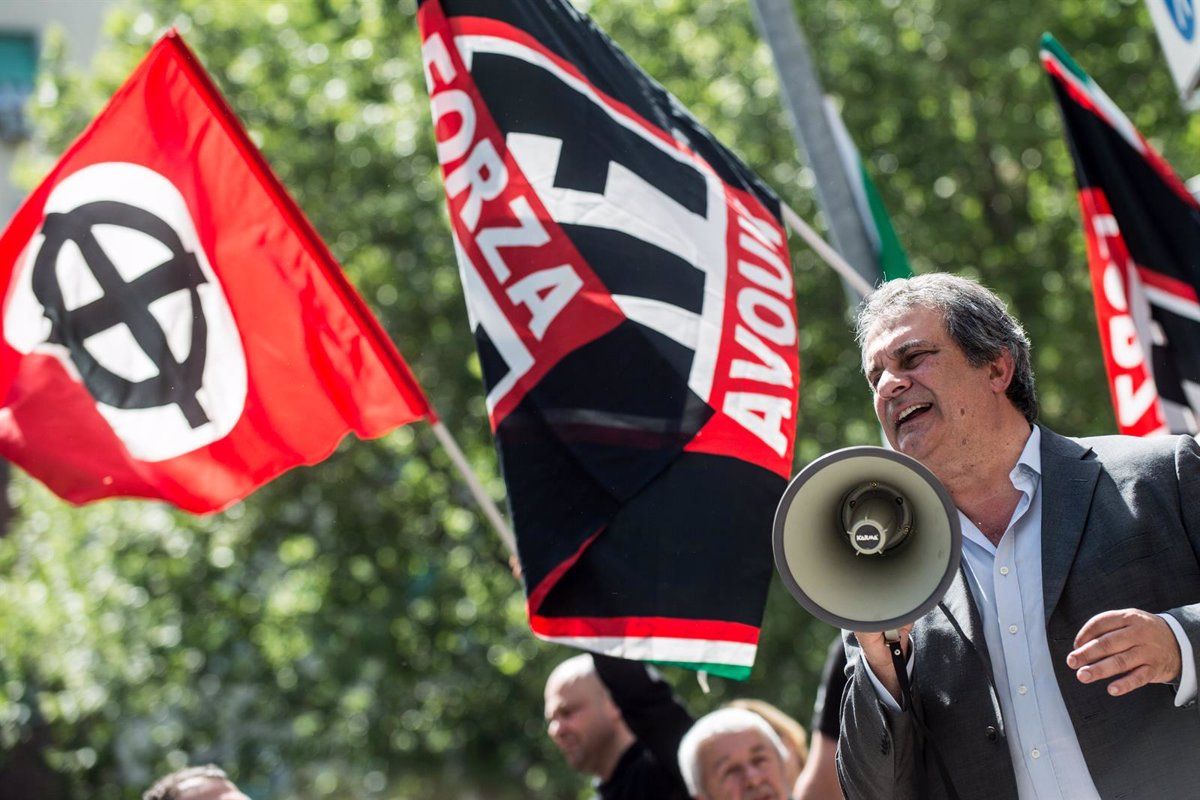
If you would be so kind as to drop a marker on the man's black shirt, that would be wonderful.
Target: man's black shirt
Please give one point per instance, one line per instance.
(649, 768)
(640, 776)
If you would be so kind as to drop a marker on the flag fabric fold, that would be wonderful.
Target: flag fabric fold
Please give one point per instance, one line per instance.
(628, 283)
(1143, 242)
(173, 326)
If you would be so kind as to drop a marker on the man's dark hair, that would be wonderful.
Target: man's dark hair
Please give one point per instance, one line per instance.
(167, 787)
(976, 319)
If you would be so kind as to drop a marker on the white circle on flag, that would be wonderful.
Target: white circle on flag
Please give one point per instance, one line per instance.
(135, 317)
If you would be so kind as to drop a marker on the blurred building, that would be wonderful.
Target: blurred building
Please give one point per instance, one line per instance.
(22, 26)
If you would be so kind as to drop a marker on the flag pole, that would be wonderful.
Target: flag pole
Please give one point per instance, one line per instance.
(831, 257)
(486, 504)
(805, 102)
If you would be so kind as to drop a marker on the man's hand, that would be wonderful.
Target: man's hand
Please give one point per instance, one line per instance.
(1136, 645)
(877, 653)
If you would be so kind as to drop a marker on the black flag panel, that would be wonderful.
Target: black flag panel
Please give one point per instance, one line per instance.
(1143, 234)
(629, 288)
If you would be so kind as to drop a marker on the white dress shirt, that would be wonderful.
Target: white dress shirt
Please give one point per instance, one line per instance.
(1006, 583)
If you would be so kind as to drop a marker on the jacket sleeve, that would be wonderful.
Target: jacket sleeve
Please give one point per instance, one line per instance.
(1187, 470)
(649, 707)
(877, 754)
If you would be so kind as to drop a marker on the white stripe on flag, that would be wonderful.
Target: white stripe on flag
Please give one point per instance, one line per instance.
(689, 651)
(671, 321)
(1172, 302)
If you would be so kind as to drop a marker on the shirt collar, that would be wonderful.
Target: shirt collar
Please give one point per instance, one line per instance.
(1025, 475)
(1029, 466)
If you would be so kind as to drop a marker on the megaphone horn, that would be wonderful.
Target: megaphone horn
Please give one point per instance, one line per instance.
(866, 539)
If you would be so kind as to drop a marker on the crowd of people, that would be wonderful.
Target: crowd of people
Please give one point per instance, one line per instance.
(620, 723)
(1060, 664)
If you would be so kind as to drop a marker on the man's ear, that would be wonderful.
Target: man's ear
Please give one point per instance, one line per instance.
(1000, 371)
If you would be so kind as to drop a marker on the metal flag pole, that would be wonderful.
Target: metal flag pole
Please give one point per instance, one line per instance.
(815, 139)
(485, 502)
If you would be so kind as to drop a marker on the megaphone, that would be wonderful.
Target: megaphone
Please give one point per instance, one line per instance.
(866, 539)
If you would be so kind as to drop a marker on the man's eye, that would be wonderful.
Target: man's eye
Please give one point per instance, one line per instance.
(913, 359)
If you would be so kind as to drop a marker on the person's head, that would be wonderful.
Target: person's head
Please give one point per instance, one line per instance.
(789, 731)
(947, 363)
(733, 754)
(582, 720)
(208, 782)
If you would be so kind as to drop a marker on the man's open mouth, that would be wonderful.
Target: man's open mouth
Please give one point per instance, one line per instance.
(912, 412)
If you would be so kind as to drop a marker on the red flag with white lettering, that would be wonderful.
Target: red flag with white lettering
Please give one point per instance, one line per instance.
(173, 327)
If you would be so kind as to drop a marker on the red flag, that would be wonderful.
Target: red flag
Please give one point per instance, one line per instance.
(173, 327)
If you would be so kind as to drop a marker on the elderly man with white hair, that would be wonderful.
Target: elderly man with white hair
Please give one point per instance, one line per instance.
(733, 754)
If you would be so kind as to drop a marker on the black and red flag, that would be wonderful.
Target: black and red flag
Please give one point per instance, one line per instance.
(1143, 242)
(628, 282)
(173, 327)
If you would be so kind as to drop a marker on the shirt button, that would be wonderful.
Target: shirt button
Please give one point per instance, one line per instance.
(1036, 753)
(1004, 570)
(1022, 689)
(1012, 628)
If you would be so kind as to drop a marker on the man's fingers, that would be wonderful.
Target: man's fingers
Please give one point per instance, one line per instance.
(1134, 680)
(1134, 646)
(1099, 648)
(1101, 624)
(1116, 664)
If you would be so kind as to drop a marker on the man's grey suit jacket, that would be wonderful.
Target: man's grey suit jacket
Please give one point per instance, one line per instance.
(1120, 529)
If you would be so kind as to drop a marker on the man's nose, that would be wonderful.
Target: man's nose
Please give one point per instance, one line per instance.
(890, 384)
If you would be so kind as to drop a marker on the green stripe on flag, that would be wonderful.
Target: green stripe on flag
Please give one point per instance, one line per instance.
(1050, 44)
(731, 671)
(893, 261)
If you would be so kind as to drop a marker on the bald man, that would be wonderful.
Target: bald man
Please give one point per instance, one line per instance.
(619, 722)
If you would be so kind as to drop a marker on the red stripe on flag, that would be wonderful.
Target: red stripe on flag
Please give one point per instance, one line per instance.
(555, 575)
(651, 627)
(1131, 382)
(1168, 284)
(589, 311)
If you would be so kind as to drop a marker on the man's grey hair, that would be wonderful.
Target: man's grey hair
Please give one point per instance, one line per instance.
(710, 726)
(171, 787)
(975, 318)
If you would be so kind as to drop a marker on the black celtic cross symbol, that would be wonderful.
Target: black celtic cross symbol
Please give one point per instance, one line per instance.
(124, 302)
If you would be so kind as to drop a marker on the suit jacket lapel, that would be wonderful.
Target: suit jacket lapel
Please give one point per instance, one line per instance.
(959, 606)
(1068, 481)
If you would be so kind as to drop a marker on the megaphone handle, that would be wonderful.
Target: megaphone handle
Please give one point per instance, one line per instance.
(892, 638)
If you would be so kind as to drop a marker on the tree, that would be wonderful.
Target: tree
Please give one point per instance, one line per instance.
(351, 629)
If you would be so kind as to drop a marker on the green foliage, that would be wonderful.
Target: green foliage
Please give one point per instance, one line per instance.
(352, 630)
